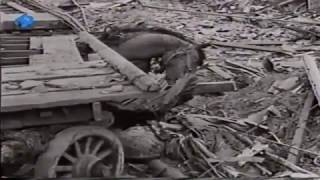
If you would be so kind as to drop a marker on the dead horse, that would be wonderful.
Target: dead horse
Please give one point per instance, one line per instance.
(140, 44)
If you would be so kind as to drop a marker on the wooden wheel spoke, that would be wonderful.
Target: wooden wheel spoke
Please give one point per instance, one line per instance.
(97, 147)
(88, 144)
(104, 153)
(69, 157)
(64, 169)
(78, 148)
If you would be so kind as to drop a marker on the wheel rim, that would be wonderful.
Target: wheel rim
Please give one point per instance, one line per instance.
(82, 152)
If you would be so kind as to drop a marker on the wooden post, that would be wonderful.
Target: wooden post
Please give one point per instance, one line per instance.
(134, 74)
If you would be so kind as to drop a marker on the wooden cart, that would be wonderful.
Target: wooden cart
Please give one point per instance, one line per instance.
(44, 81)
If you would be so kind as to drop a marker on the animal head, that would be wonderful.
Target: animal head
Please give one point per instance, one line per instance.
(111, 35)
(179, 62)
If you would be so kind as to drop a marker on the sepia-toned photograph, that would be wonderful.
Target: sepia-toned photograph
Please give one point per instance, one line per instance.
(160, 89)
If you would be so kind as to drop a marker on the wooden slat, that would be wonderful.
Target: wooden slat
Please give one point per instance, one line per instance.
(44, 21)
(57, 49)
(56, 74)
(14, 41)
(13, 61)
(18, 53)
(14, 46)
(61, 49)
(26, 119)
(56, 99)
(20, 8)
(69, 84)
(36, 43)
(214, 87)
(54, 67)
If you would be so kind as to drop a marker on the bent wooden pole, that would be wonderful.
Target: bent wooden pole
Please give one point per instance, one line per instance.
(134, 74)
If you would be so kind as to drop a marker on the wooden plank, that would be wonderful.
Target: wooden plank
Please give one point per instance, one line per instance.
(61, 49)
(313, 73)
(14, 41)
(298, 136)
(313, 4)
(261, 42)
(251, 47)
(214, 87)
(19, 53)
(44, 21)
(13, 37)
(14, 46)
(57, 66)
(27, 119)
(36, 43)
(47, 74)
(13, 61)
(133, 73)
(246, 68)
(20, 8)
(69, 84)
(69, 98)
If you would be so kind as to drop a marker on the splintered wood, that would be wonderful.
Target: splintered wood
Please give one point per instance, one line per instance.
(313, 73)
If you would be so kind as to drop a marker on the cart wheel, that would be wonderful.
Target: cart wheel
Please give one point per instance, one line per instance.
(82, 151)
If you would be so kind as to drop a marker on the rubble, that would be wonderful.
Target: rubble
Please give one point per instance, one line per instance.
(252, 110)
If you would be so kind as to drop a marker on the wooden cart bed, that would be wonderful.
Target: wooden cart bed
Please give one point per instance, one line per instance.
(59, 77)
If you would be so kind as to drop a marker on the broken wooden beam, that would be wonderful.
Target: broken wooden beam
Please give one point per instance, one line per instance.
(133, 73)
(214, 87)
(246, 68)
(251, 47)
(298, 137)
(313, 73)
